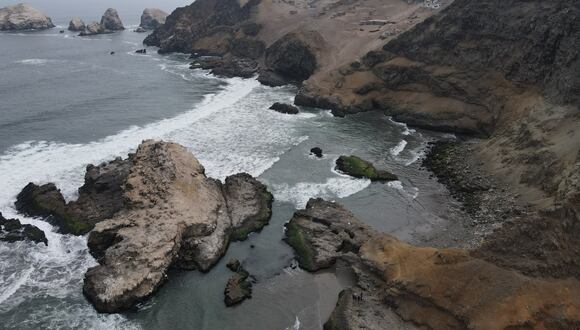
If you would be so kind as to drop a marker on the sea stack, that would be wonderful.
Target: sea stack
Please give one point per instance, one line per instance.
(152, 18)
(111, 20)
(76, 24)
(23, 17)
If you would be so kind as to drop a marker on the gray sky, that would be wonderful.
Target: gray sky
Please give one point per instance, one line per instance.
(61, 11)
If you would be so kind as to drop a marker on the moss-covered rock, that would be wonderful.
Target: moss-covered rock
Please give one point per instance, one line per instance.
(47, 201)
(360, 168)
(239, 286)
(298, 240)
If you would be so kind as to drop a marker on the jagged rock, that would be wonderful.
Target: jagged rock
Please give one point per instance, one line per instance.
(293, 56)
(77, 25)
(284, 108)
(152, 18)
(360, 168)
(11, 230)
(93, 28)
(316, 151)
(140, 30)
(227, 66)
(111, 20)
(173, 216)
(436, 288)
(99, 198)
(234, 265)
(238, 288)
(23, 17)
(247, 48)
(272, 79)
(141, 51)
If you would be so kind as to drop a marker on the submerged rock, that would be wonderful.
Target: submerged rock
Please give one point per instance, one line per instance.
(11, 230)
(284, 108)
(173, 216)
(140, 30)
(23, 17)
(360, 168)
(437, 288)
(76, 24)
(152, 18)
(111, 20)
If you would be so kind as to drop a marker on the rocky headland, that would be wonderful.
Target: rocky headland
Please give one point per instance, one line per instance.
(401, 286)
(110, 23)
(23, 17)
(505, 72)
(148, 213)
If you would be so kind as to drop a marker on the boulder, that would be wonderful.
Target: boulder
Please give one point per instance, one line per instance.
(173, 217)
(239, 286)
(436, 288)
(11, 230)
(77, 25)
(360, 168)
(23, 17)
(152, 18)
(140, 30)
(111, 20)
(284, 108)
(316, 151)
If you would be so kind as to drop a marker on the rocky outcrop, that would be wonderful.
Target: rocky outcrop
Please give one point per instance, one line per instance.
(172, 216)
(435, 288)
(284, 108)
(92, 29)
(23, 17)
(110, 23)
(360, 168)
(293, 56)
(239, 286)
(99, 198)
(111, 20)
(76, 25)
(11, 230)
(152, 18)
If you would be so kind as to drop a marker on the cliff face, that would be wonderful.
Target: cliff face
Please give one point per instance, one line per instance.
(282, 41)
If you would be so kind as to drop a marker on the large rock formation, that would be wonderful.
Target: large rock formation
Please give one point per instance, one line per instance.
(111, 20)
(172, 216)
(435, 288)
(23, 17)
(76, 25)
(152, 18)
(11, 230)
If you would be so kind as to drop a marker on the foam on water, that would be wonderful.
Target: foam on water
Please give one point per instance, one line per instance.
(35, 61)
(396, 150)
(300, 193)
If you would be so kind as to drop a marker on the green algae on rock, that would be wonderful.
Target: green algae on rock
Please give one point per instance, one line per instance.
(360, 168)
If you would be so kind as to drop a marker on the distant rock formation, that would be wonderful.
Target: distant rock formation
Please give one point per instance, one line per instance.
(76, 25)
(437, 288)
(11, 230)
(110, 22)
(23, 17)
(152, 18)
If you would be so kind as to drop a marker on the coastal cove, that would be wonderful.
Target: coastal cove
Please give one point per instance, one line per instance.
(226, 124)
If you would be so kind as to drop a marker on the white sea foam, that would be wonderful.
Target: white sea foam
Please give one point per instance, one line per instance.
(300, 193)
(396, 150)
(35, 61)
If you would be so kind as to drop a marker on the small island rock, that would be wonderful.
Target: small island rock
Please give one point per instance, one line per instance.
(11, 230)
(360, 168)
(76, 24)
(284, 108)
(111, 20)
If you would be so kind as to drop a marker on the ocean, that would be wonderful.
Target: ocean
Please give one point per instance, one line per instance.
(66, 102)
